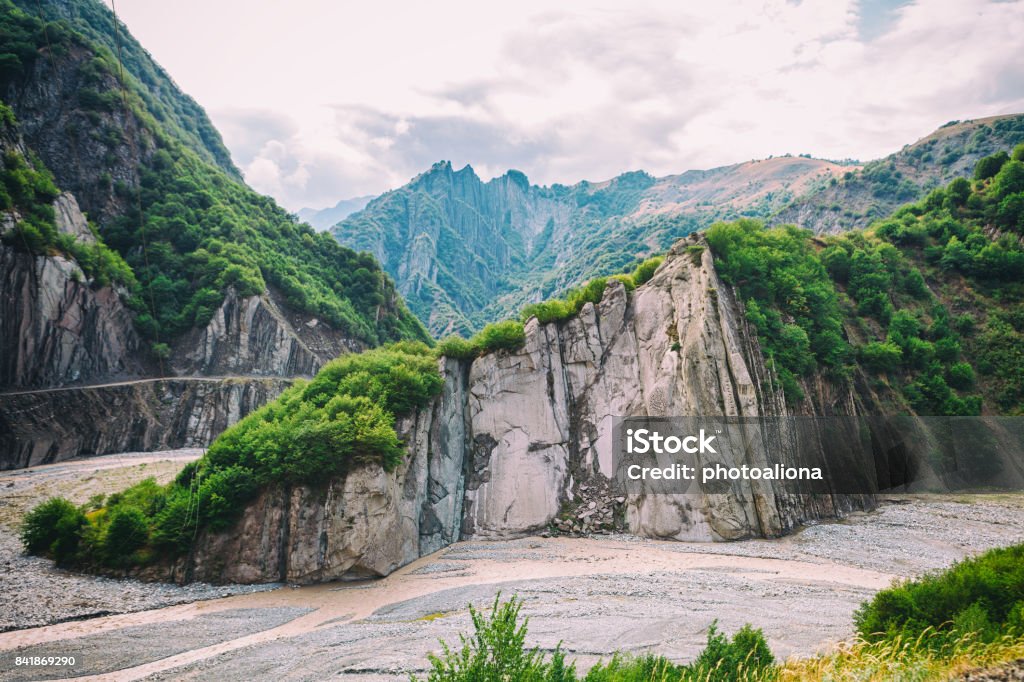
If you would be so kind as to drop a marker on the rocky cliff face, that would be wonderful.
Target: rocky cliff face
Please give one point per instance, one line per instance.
(518, 441)
(57, 329)
(259, 335)
(44, 426)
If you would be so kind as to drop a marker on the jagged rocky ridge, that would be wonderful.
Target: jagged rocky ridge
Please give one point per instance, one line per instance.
(464, 252)
(518, 440)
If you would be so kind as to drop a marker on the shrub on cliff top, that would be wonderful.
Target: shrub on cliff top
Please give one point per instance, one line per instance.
(506, 335)
(509, 335)
(344, 417)
(645, 271)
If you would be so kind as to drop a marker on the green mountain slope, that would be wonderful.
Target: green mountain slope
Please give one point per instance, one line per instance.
(923, 312)
(149, 169)
(464, 251)
(862, 196)
(178, 114)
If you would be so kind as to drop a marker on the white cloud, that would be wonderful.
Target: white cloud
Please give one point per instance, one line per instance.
(321, 100)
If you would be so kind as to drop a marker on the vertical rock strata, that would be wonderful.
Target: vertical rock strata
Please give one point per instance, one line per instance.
(517, 437)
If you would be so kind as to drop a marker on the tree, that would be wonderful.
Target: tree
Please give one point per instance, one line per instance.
(958, 192)
(989, 166)
(955, 256)
(881, 357)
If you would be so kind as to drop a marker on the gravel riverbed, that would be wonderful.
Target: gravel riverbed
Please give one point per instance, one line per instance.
(593, 595)
(36, 592)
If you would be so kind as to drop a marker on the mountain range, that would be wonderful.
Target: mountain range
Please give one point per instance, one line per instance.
(325, 218)
(464, 252)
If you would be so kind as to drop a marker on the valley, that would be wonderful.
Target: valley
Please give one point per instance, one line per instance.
(240, 443)
(595, 594)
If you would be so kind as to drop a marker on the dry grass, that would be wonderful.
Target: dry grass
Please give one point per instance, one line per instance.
(903, 660)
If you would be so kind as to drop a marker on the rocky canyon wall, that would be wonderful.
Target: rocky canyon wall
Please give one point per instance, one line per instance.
(521, 441)
(44, 426)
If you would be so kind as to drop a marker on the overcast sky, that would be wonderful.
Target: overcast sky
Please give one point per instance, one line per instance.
(320, 100)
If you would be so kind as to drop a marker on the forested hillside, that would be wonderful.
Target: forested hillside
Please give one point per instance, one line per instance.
(861, 196)
(148, 167)
(927, 305)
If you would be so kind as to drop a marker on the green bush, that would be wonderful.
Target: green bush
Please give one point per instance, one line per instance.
(496, 652)
(127, 532)
(554, 310)
(746, 657)
(457, 348)
(627, 281)
(881, 357)
(343, 418)
(507, 335)
(646, 668)
(53, 528)
(983, 595)
(990, 165)
(645, 271)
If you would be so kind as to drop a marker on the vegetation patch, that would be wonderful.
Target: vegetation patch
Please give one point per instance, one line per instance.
(510, 334)
(342, 419)
(928, 302)
(963, 618)
(981, 597)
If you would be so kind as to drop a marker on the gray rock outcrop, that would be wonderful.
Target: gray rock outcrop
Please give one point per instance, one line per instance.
(521, 441)
(254, 335)
(56, 329)
(40, 427)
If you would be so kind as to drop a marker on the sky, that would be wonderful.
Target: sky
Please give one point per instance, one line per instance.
(321, 100)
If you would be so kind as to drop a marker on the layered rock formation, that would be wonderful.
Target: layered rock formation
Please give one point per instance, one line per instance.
(464, 252)
(254, 335)
(42, 426)
(518, 438)
(56, 329)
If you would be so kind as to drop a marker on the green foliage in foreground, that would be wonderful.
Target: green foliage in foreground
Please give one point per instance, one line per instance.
(509, 334)
(982, 596)
(342, 419)
(969, 615)
(497, 652)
